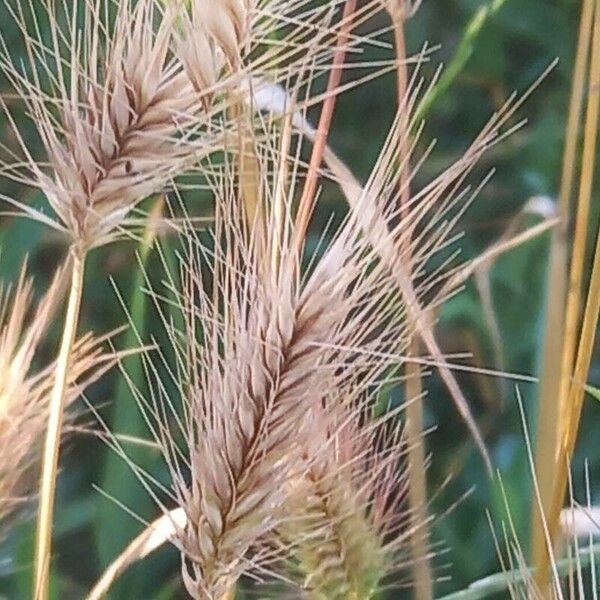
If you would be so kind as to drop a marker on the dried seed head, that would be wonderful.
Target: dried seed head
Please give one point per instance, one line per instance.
(24, 395)
(17, 342)
(265, 358)
(116, 124)
(225, 23)
(122, 146)
(122, 96)
(258, 349)
(264, 348)
(337, 554)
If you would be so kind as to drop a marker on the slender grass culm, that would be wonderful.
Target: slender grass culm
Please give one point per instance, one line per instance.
(269, 418)
(576, 355)
(551, 413)
(578, 373)
(400, 12)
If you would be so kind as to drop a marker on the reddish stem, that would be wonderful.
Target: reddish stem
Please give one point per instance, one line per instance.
(307, 201)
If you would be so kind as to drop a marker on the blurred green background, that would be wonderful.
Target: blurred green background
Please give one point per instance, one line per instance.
(508, 51)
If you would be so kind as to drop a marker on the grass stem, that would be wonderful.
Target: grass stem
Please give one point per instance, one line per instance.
(248, 166)
(504, 583)
(417, 491)
(55, 420)
(573, 311)
(307, 200)
(419, 539)
(577, 392)
(549, 411)
(555, 467)
(548, 400)
(154, 536)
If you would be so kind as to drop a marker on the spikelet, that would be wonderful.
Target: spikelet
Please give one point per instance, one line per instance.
(235, 37)
(225, 23)
(117, 119)
(210, 38)
(24, 393)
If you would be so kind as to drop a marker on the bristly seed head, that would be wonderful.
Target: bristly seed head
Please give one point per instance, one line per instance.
(347, 522)
(24, 395)
(118, 120)
(260, 348)
(122, 93)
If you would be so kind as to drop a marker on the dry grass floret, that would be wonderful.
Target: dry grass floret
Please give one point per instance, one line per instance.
(224, 25)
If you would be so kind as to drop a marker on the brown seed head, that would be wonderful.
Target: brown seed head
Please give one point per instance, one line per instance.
(118, 120)
(258, 349)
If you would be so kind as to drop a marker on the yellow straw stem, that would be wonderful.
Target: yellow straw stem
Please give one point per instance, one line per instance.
(573, 121)
(249, 173)
(577, 390)
(419, 538)
(551, 398)
(55, 420)
(572, 388)
(583, 207)
(548, 402)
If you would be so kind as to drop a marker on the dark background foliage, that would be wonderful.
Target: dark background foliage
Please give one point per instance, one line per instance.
(513, 47)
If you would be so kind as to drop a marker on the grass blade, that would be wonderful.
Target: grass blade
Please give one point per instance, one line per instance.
(593, 392)
(464, 51)
(492, 585)
(152, 538)
(114, 527)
